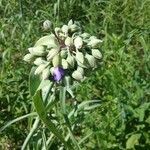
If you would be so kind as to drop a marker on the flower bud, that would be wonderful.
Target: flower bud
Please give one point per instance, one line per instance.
(79, 57)
(40, 68)
(56, 60)
(64, 64)
(81, 70)
(96, 53)
(73, 28)
(64, 29)
(70, 60)
(39, 61)
(28, 58)
(94, 42)
(37, 51)
(57, 30)
(78, 42)
(46, 73)
(77, 75)
(68, 41)
(85, 35)
(63, 53)
(70, 22)
(91, 60)
(47, 25)
(52, 53)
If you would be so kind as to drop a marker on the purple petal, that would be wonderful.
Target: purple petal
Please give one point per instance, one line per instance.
(58, 73)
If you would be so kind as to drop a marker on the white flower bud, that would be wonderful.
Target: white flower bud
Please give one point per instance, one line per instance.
(64, 64)
(64, 29)
(37, 51)
(73, 27)
(94, 42)
(91, 60)
(79, 57)
(96, 53)
(47, 25)
(28, 57)
(45, 73)
(77, 75)
(57, 30)
(70, 60)
(68, 41)
(85, 35)
(70, 22)
(81, 70)
(38, 61)
(52, 53)
(78, 42)
(63, 53)
(40, 68)
(56, 60)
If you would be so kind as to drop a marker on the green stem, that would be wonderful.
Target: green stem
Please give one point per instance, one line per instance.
(36, 122)
(63, 107)
(34, 127)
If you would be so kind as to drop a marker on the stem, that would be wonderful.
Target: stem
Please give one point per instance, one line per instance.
(36, 122)
(63, 107)
(34, 127)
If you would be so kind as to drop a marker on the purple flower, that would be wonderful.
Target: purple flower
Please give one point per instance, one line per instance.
(58, 73)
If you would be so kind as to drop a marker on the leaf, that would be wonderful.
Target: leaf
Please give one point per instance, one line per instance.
(40, 108)
(16, 120)
(132, 141)
(34, 81)
(47, 40)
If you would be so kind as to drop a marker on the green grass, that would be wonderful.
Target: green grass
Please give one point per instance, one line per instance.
(121, 83)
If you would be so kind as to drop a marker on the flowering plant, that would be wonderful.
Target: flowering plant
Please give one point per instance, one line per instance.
(60, 59)
(65, 52)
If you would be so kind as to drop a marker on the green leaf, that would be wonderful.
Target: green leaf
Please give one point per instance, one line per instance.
(47, 40)
(16, 120)
(132, 141)
(40, 108)
(34, 82)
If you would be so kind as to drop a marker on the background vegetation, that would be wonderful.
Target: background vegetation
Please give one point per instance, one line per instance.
(122, 83)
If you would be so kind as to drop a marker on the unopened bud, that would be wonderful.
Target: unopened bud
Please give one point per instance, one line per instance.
(47, 25)
(94, 42)
(77, 75)
(37, 51)
(70, 22)
(91, 60)
(40, 68)
(70, 60)
(85, 35)
(28, 57)
(96, 53)
(81, 70)
(78, 42)
(80, 57)
(73, 28)
(64, 64)
(64, 29)
(52, 53)
(68, 41)
(63, 53)
(39, 61)
(56, 60)
(46, 73)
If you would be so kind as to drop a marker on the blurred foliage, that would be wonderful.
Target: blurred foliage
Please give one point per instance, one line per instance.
(122, 83)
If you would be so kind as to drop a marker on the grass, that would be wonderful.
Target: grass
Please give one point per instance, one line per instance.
(122, 82)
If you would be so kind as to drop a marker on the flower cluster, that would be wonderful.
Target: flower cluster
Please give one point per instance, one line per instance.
(65, 51)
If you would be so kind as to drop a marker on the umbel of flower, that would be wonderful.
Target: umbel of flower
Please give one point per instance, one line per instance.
(66, 51)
